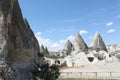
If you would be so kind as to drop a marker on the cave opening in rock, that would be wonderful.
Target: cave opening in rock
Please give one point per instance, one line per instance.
(90, 59)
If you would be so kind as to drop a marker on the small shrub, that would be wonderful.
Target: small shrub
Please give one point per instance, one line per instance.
(46, 72)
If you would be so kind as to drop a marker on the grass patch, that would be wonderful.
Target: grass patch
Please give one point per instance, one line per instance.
(83, 79)
(68, 79)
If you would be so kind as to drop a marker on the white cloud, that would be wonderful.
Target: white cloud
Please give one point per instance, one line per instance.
(109, 23)
(111, 30)
(38, 33)
(56, 46)
(71, 38)
(62, 41)
(41, 40)
(83, 32)
(52, 46)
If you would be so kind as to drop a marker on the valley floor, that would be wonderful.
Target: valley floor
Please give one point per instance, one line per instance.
(92, 71)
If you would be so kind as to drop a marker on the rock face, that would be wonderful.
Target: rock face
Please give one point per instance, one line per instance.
(77, 60)
(98, 43)
(68, 47)
(18, 46)
(113, 48)
(79, 43)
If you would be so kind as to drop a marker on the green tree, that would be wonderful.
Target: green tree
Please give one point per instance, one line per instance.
(44, 51)
(46, 72)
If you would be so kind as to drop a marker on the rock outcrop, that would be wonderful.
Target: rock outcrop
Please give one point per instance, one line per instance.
(68, 46)
(98, 43)
(18, 46)
(79, 43)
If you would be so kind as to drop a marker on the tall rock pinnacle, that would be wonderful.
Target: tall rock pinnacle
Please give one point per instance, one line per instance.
(18, 46)
(79, 43)
(98, 43)
(68, 46)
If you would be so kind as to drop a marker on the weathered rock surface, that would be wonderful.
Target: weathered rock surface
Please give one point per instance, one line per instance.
(68, 47)
(113, 48)
(98, 43)
(18, 46)
(77, 59)
(79, 43)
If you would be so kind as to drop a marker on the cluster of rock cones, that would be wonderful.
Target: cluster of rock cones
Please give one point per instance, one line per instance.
(78, 53)
(79, 44)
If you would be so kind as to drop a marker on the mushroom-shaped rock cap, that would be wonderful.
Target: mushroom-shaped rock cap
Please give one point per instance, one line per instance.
(98, 43)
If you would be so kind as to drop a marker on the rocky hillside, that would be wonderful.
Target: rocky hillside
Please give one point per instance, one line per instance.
(79, 54)
(18, 46)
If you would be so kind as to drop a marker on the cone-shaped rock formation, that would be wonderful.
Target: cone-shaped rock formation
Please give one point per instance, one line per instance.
(68, 46)
(79, 43)
(98, 43)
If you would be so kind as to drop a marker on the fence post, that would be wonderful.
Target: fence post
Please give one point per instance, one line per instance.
(110, 74)
(80, 74)
(96, 74)
(68, 74)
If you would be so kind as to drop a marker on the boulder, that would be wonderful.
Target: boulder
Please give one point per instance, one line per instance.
(18, 46)
(76, 59)
(98, 43)
(102, 55)
(79, 43)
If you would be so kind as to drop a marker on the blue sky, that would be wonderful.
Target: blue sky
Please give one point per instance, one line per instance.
(55, 21)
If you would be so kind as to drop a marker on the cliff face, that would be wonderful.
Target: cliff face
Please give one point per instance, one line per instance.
(18, 46)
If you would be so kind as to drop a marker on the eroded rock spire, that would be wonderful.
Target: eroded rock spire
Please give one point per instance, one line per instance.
(79, 43)
(98, 43)
(68, 46)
